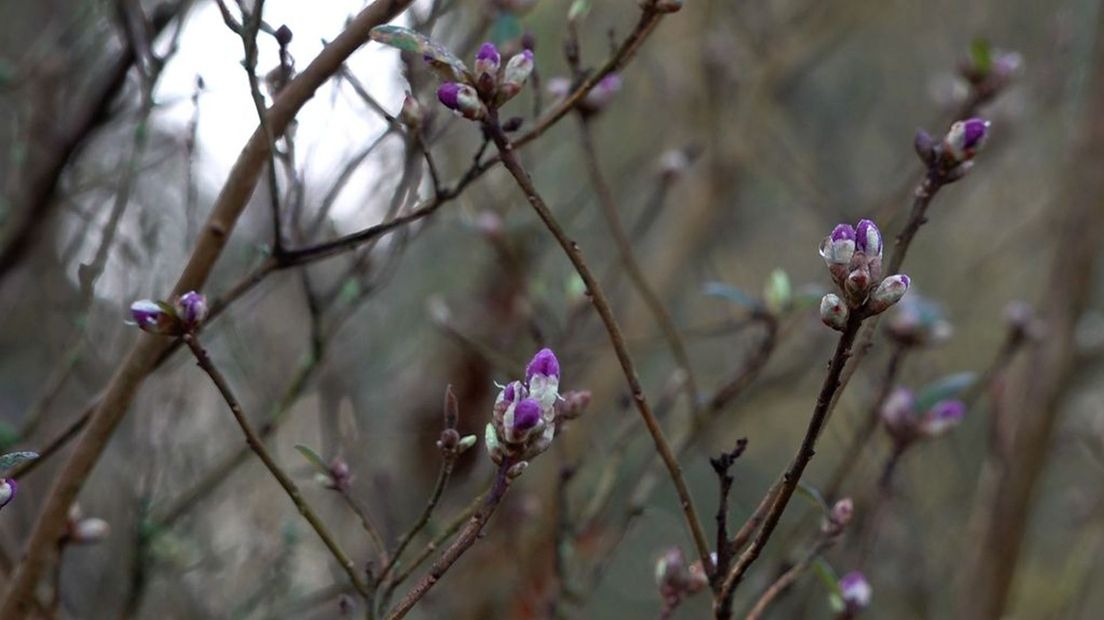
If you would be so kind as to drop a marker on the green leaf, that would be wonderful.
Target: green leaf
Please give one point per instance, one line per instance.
(313, 458)
(810, 493)
(731, 293)
(981, 54)
(578, 11)
(442, 61)
(823, 570)
(12, 459)
(947, 387)
(506, 29)
(778, 292)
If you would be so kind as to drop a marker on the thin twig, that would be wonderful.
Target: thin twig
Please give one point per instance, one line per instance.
(285, 481)
(601, 305)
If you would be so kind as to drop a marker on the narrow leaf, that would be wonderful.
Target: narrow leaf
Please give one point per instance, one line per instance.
(12, 459)
(313, 458)
(442, 61)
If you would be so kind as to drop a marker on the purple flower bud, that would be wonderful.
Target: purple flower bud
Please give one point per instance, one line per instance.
(942, 417)
(833, 312)
(487, 61)
(8, 487)
(515, 75)
(191, 308)
(855, 591)
(463, 99)
(899, 415)
(838, 247)
(868, 239)
(527, 414)
(153, 317)
(889, 292)
(602, 94)
(543, 363)
(965, 138)
(842, 511)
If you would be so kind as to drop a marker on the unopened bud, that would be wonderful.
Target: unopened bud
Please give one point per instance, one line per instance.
(965, 138)
(515, 75)
(466, 442)
(8, 487)
(154, 317)
(463, 99)
(283, 35)
(89, 531)
(487, 62)
(191, 308)
(941, 418)
(516, 469)
(449, 440)
(868, 239)
(855, 591)
(833, 312)
(889, 292)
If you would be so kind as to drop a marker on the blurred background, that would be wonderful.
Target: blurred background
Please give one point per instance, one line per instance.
(742, 132)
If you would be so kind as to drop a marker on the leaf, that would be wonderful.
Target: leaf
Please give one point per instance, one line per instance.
(814, 497)
(823, 570)
(12, 459)
(731, 293)
(981, 53)
(947, 387)
(442, 61)
(313, 458)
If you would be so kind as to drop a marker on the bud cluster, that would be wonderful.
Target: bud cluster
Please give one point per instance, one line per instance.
(853, 255)
(906, 423)
(180, 317)
(525, 412)
(952, 157)
(492, 84)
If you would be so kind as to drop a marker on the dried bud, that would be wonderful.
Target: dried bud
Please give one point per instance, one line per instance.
(8, 487)
(283, 35)
(833, 312)
(941, 418)
(412, 114)
(668, 6)
(855, 591)
(449, 440)
(965, 139)
(89, 531)
(191, 309)
(463, 99)
(154, 317)
(515, 75)
(573, 404)
(889, 292)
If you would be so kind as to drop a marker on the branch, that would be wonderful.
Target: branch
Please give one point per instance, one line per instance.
(601, 305)
(140, 359)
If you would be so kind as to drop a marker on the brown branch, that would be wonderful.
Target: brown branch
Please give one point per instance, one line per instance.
(788, 483)
(258, 447)
(601, 305)
(139, 361)
(464, 540)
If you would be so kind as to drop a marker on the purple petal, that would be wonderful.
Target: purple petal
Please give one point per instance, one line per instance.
(843, 232)
(544, 363)
(975, 132)
(448, 94)
(527, 414)
(488, 53)
(868, 238)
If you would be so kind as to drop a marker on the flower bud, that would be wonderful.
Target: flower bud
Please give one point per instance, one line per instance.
(838, 247)
(8, 487)
(889, 292)
(154, 317)
(868, 239)
(942, 417)
(965, 139)
(522, 418)
(543, 377)
(516, 469)
(899, 416)
(602, 94)
(918, 321)
(573, 404)
(833, 312)
(855, 591)
(842, 511)
(89, 531)
(487, 62)
(925, 146)
(191, 308)
(412, 114)
(466, 442)
(463, 99)
(543, 363)
(283, 35)
(515, 75)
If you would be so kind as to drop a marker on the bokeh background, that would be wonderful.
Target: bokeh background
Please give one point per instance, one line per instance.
(789, 116)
